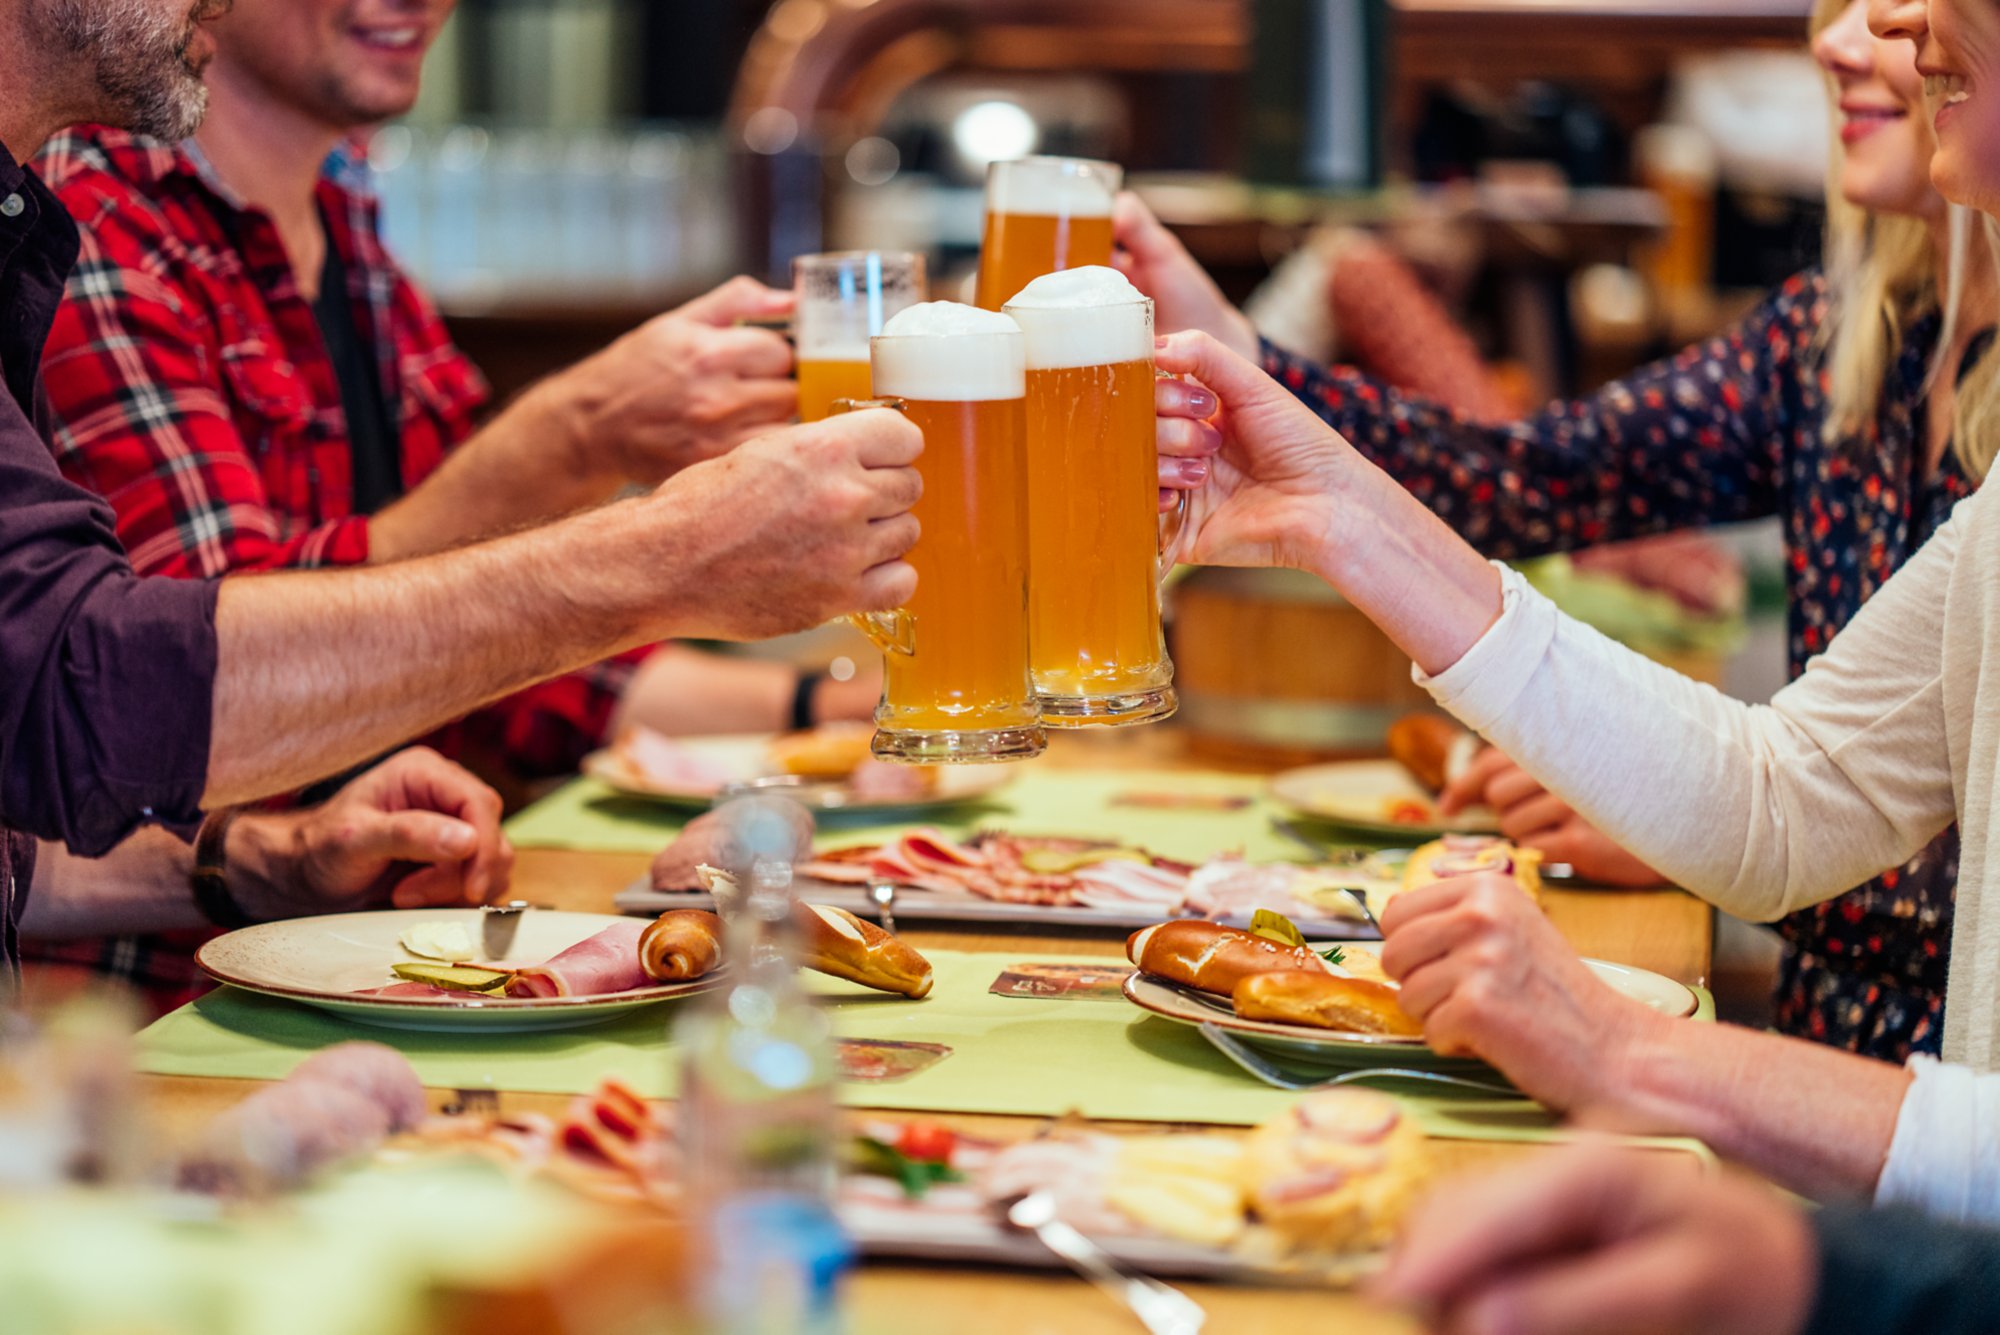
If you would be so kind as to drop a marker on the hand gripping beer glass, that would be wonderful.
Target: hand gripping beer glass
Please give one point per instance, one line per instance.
(1095, 646)
(956, 685)
(1044, 215)
(844, 300)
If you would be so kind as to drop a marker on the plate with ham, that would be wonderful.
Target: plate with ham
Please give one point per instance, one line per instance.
(829, 769)
(561, 969)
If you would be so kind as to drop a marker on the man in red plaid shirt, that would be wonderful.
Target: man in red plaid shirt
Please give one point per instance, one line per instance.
(244, 373)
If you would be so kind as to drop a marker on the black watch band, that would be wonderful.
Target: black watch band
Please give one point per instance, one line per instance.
(802, 700)
(211, 871)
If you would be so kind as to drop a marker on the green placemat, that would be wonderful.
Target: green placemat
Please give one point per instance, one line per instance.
(589, 815)
(1031, 1057)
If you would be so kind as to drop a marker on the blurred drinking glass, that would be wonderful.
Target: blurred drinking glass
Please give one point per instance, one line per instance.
(1096, 648)
(956, 684)
(1044, 215)
(844, 300)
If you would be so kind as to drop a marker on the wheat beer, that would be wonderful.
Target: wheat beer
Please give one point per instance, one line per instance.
(1043, 215)
(957, 685)
(844, 299)
(1095, 645)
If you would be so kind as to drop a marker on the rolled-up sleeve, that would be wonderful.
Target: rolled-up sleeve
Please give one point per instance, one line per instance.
(106, 679)
(1945, 1156)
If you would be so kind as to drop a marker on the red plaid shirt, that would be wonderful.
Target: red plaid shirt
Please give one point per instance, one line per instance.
(192, 389)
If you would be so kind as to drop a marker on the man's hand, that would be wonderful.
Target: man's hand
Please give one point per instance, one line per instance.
(1594, 1240)
(415, 831)
(799, 526)
(686, 386)
(1490, 977)
(1534, 817)
(1184, 296)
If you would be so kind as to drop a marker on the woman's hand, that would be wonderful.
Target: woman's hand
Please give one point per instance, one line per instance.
(1490, 977)
(1597, 1239)
(1535, 818)
(1271, 466)
(1184, 296)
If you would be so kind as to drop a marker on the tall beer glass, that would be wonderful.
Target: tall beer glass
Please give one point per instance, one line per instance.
(1043, 215)
(1096, 648)
(844, 300)
(956, 684)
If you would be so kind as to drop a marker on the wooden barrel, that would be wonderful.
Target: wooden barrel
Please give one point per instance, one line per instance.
(1275, 668)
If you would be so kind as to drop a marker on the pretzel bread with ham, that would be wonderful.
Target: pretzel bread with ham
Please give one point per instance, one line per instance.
(1325, 1001)
(1210, 957)
(836, 942)
(1467, 854)
(680, 946)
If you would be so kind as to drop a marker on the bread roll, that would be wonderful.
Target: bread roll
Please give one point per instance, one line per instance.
(1423, 745)
(1466, 854)
(828, 752)
(834, 941)
(1337, 1171)
(680, 946)
(1211, 957)
(1324, 1001)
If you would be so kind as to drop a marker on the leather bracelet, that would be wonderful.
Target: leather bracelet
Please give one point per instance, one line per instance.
(211, 871)
(802, 700)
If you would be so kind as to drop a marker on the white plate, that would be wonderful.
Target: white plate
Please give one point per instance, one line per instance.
(1303, 1045)
(748, 757)
(322, 962)
(1357, 794)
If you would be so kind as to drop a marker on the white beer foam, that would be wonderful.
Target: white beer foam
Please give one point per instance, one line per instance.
(943, 352)
(1090, 316)
(1045, 188)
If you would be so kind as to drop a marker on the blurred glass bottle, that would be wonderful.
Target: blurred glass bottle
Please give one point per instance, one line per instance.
(760, 1127)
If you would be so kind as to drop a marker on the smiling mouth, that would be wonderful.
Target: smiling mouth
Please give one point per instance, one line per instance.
(390, 39)
(1947, 90)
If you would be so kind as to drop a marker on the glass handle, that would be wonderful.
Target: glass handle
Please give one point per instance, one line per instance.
(1174, 521)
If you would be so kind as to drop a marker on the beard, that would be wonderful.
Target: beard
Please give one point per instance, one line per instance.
(138, 58)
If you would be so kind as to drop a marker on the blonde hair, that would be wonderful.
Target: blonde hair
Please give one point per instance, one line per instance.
(1882, 277)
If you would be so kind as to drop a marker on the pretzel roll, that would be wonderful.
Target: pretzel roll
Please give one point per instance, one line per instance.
(834, 941)
(1324, 1001)
(1466, 854)
(1211, 957)
(681, 945)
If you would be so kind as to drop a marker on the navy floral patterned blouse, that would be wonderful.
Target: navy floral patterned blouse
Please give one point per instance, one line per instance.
(1727, 430)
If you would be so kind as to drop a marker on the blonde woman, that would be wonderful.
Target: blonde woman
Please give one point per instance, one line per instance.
(1838, 405)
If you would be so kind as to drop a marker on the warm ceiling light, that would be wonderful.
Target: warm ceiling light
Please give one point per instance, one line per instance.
(994, 131)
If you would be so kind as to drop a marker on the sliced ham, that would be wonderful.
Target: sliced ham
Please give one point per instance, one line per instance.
(1123, 884)
(596, 966)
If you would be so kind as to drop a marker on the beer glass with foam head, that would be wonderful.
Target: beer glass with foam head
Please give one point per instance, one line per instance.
(844, 300)
(956, 684)
(1095, 646)
(1044, 215)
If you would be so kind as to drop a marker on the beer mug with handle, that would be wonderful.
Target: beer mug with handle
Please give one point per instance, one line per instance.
(844, 299)
(956, 685)
(1095, 546)
(1044, 215)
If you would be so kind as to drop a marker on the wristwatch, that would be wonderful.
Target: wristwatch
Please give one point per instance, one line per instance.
(802, 700)
(211, 871)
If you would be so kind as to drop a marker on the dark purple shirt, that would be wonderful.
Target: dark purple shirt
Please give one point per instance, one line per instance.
(106, 680)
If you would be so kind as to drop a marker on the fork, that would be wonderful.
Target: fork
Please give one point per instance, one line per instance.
(1161, 1308)
(472, 1103)
(1271, 1074)
(884, 895)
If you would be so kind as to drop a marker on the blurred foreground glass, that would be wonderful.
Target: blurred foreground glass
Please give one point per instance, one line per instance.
(844, 300)
(956, 686)
(1044, 215)
(1096, 647)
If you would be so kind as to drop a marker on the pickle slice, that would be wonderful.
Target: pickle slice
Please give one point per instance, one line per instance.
(455, 977)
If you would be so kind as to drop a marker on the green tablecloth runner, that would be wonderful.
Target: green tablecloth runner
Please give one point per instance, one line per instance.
(1033, 1057)
(589, 815)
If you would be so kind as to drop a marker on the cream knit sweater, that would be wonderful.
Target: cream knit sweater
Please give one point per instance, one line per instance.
(1889, 736)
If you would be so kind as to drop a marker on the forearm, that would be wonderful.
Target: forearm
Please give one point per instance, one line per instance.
(525, 467)
(683, 692)
(1404, 568)
(321, 671)
(1815, 1119)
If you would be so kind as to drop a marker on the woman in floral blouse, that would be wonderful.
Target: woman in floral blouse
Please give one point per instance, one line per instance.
(1820, 407)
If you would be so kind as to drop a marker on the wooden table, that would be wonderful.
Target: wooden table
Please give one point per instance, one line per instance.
(1665, 931)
